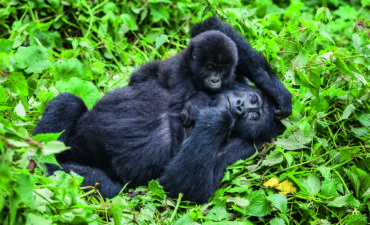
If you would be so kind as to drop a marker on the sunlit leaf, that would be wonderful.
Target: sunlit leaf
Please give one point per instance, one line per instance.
(286, 187)
(272, 182)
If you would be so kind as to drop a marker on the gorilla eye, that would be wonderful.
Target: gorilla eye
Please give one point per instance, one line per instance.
(253, 100)
(253, 116)
(210, 67)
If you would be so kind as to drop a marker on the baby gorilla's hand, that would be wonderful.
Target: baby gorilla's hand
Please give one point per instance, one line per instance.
(189, 114)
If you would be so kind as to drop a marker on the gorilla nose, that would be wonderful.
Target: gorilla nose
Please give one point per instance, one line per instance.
(215, 80)
(240, 107)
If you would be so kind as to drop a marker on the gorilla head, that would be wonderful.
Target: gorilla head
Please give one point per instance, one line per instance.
(254, 112)
(214, 57)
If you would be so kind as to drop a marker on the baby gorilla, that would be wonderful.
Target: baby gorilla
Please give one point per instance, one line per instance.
(206, 65)
(126, 137)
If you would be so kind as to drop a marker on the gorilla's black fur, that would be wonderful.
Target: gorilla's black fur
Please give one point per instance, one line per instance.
(206, 65)
(251, 65)
(126, 137)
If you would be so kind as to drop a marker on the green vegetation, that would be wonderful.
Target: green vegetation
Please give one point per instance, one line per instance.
(320, 49)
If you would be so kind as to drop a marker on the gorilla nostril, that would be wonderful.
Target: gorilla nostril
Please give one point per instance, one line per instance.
(238, 102)
(215, 80)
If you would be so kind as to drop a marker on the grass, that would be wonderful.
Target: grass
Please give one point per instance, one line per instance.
(317, 172)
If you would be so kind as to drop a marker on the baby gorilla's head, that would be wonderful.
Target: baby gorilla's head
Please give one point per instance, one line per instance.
(213, 58)
(254, 113)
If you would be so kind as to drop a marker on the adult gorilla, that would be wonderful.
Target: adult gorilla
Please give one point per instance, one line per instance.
(126, 137)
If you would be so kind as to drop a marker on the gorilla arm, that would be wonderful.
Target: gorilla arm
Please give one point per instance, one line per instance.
(198, 168)
(252, 65)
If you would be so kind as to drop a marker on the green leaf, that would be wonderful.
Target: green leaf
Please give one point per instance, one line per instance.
(275, 157)
(18, 84)
(160, 40)
(326, 36)
(47, 137)
(156, 189)
(53, 147)
(329, 188)
(130, 21)
(277, 221)
(279, 201)
(325, 172)
(83, 89)
(68, 68)
(342, 67)
(364, 119)
(347, 112)
(259, 204)
(312, 185)
(33, 59)
(218, 213)
(158, 12)
(19, 109)
(184, 219)
(361, 132)
(24, 186)
(38, 219)
(356, 41)
(356, 219)
(342, 201)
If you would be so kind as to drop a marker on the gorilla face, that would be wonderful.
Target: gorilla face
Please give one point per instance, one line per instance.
(214, 74)
(254, 113)
(214, 57)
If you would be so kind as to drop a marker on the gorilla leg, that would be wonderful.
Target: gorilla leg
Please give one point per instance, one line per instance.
(60, 114)
(108, 188)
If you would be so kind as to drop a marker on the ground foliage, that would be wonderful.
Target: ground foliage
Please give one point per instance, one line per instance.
(317, 172)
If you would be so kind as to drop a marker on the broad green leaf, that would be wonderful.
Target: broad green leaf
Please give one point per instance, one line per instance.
(24, 185)
(6, 45)
(342, 66)
(18, 84)
(345, 200)
(47, 137)
(156, 189)
(184, 219)
(326, 36)
(130, 21)
(279, 201)
(259, 204)
(364, 119)
(275, 157)
(38, 219)
(33, 59)
(356, 41)
(19, 109)
(160, 40)
(83, 89)
(361, 132)
(277, 221)
(158, 12)
(218, 213)
(312, 185)
(347, 112)
(329, 188)
(356, 219)
(68, 68)
(325, 172)
(53, 147)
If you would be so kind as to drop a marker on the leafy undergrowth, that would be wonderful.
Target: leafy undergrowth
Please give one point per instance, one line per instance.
(317, 172)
